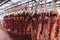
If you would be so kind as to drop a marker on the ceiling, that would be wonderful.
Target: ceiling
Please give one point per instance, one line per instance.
(7, 4)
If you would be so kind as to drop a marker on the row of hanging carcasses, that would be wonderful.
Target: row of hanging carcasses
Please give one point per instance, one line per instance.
(26, 23)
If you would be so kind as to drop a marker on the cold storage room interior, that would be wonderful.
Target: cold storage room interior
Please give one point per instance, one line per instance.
(29, 19)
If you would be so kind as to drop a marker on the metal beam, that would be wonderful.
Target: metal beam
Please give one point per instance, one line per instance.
(4, 2)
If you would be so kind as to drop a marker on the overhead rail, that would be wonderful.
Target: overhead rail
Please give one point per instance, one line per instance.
(17, 4)
(21, 3)
(2, 3)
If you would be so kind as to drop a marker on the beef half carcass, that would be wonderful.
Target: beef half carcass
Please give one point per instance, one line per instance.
(21, 22)
(5, 22)
(26, 23)
(11, 22)
(16, 22)
(39, 28)
(53, 20)
(59, 21)
(53, 24)
(47, 26)
(34, 26)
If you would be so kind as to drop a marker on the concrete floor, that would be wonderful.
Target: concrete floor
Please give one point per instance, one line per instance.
(4, 35)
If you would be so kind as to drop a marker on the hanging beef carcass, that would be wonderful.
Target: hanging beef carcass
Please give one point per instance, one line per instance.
(47, 21)
(44, 21)
(39, 26)
(34, 26)
(6, 22)
(21, 22)
(53, 20)
(16, 23)
(47, 26)
(27, 26)
(26, 22)
(59, 21)
(53, 24)
(35, 18)
(11, 22)
(58, 27)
